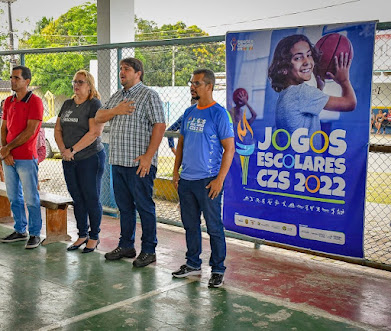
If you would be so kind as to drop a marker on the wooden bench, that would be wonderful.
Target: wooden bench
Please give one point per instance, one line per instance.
(56, 214)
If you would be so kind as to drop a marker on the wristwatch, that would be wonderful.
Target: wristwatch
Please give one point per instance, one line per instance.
(72, 150)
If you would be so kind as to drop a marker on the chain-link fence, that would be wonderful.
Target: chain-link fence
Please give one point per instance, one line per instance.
(168, 66)
(377, 235)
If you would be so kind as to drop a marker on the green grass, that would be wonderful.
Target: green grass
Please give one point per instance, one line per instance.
(165, 166)
(379, 187)
(378, 184)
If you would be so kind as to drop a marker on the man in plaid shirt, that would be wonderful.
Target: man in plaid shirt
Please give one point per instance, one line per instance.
(137, 127)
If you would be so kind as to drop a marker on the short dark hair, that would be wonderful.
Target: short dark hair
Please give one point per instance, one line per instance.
(209, 76)
(26, 73)
(282, 57)
(136, 64)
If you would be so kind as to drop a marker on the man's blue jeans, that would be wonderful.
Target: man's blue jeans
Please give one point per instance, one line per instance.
(21, 181)
(84, 178)
(133, 192)
(193, 197)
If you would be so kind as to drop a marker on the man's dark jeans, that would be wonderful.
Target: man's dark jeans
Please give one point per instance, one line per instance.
(135, 193)
(193, 197)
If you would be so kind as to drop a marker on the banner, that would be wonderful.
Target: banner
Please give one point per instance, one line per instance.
(300, 101)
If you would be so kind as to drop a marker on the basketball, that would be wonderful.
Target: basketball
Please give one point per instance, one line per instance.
(235, 96)
(329, 46)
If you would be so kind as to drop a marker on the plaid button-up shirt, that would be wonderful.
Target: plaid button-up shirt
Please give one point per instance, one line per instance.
(130, 135)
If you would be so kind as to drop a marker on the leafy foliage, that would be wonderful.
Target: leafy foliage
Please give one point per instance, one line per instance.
(4, 63)
(160, 61)
(5, 40)
(54, 71)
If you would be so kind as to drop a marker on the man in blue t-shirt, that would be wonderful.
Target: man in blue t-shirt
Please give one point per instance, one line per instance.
(205, 151)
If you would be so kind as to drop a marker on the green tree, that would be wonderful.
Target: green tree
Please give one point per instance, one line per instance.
(4, 40)
(78, 27)
(43, 23)
(54, 71)
(4, 62)
(160, 61)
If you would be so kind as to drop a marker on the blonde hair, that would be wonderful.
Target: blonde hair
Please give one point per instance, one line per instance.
(91, 82)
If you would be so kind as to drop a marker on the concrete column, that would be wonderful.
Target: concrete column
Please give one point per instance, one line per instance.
(115, 25)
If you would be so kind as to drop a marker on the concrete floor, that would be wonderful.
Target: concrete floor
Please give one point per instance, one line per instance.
(49, 288)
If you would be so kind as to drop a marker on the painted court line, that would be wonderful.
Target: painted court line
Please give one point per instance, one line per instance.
(113, 306)
(300, 307)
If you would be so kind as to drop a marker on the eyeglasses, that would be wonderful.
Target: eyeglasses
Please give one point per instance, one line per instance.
(195, 84)
(78, 82)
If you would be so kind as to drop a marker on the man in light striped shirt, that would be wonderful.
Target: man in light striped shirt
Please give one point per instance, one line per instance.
(137, 127)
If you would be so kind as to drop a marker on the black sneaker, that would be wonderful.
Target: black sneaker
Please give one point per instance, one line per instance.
(120, 252)
(185, 271)
(143, 259)
(14, 236)
(216, 280)
(33, 242)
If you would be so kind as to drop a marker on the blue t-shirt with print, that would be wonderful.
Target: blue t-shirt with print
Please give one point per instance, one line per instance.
(203, 128)
(299, 106)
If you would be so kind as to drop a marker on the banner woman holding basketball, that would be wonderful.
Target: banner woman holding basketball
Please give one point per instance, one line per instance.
(240, 98)
(298, 104)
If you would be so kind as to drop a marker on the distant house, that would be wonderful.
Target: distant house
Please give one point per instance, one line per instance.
(5, 92)
(5, 89)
